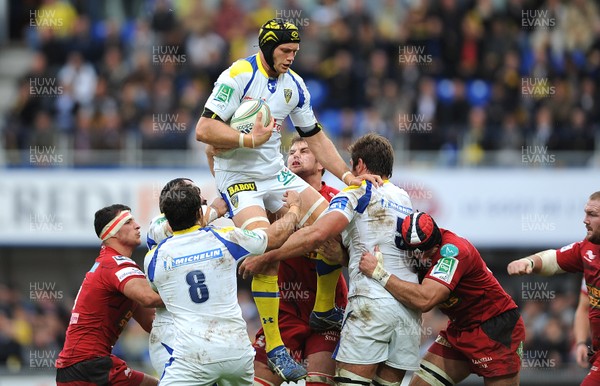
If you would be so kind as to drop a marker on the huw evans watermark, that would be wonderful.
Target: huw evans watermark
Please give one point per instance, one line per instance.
(45, 18)
(168, 123)
(44, 155)
(414, 54)
(537, 18)
(537, 87)
(42, 359)
(44, 86)
(536, 291)
(44, 290)
(535, 222)
(293, 16)
(168, 54)
(414, 123)
(537, 155)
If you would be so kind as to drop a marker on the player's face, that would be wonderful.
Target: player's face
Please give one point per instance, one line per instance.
(302, 161)
(129, 234)
(592, 221)
(283, 56)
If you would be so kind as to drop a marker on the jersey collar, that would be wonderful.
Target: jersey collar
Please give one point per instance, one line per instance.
(260, 66)
(188, 230)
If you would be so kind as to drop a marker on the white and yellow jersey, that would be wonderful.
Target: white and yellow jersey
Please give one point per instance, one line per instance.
(374, 214)
(285, 95)
(157, 232)
(195, 274)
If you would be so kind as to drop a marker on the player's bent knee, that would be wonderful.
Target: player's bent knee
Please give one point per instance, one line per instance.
(262, 382)
(319, 379)
(377, 381)
(344, 377)
(433, 375)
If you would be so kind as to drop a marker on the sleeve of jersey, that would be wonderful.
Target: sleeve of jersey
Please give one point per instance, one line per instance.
(569, 257)
(117, 275)
(227, 93)
(241, 242)
(303, 116)
(157, 231)
(344, 202)
(448, 270)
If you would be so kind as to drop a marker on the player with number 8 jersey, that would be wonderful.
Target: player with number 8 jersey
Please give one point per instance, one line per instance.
(194, 272)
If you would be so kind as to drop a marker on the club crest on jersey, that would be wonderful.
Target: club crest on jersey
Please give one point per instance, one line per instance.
(287, 93)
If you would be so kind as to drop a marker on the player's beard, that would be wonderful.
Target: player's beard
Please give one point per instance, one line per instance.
(595, 237)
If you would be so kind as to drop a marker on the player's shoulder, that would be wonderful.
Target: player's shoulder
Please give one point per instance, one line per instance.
(455, 246)
(241, 68)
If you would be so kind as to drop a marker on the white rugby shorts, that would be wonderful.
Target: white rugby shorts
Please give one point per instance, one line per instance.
(160, 336)
(184, 372)
(380, 330)
(240, 191)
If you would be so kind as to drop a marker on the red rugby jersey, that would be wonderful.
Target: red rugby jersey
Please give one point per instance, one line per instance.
(101, 311)
(584, 256)
(297, 279)
(476, 295)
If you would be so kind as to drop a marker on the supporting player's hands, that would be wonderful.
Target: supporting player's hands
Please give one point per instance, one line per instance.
(581, 355)
(520, 267)
(371, 265)
(333, 252)
(220, 206)
(252, 265)
(357, 180)
(368, 263)
(292, 198)
(261, 134)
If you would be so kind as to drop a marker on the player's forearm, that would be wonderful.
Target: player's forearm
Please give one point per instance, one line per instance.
(220, 135)
(281, 229)
(412, 295)
(327, 154)
(299, 243)
(581, 324)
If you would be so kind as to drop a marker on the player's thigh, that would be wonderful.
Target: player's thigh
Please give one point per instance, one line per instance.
(179, 372)
(390, 374)
(149, 381)
(313, 203)
(321, 362)
(434, 366)
(238, 372)
(160, 342)
(370, 326)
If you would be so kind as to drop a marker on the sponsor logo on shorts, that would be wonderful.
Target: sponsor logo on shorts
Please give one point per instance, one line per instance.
(241, 187)
(482, 362)
(442, 341)
(224, 93)
(124, 273)
(444, 269)
(286, 176)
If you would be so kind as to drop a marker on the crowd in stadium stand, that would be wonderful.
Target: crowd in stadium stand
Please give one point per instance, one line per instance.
(461, 77)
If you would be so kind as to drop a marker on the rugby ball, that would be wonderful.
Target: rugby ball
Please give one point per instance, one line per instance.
(244, 117)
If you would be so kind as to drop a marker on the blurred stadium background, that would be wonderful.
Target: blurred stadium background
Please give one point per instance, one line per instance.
(492, 106)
